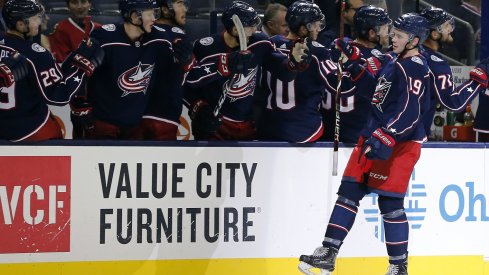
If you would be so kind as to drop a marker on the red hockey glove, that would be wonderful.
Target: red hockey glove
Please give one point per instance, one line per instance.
(352, 53)
(13, 68)
(204, 123)
(479, 73)
(237, 62)
(380, 145)
(88, 56)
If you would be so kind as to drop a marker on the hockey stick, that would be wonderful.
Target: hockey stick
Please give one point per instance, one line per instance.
(336, 140)
(242, 47)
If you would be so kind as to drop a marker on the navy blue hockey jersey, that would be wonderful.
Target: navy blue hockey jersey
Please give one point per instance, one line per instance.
(400, 97)
(23, 106)
(131, 71)
(443, 90)
(205, 83)
(292, 109)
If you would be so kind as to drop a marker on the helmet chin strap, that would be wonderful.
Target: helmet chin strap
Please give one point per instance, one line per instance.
(406, 49)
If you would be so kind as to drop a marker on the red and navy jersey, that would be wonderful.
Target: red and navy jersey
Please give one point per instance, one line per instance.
(442, 88)
(24, 105)
(400, 97)
(354, 110)
(166, 104)
(131, 71)
(66, 38)
(292, 109)
(204, 82)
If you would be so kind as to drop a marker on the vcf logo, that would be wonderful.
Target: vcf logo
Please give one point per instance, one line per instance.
(413, 203)
(35, 204)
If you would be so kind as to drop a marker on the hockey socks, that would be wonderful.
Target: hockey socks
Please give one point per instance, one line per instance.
(396, 236)
(340, 223)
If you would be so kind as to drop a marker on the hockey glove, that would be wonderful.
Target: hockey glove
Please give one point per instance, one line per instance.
(300, 56)
(350, 53)
(479, 73)
(88, 56)
(13, 68)
(183, 53)
(204, 123)
(81, 116)
(237, 62)
(335, 54)
(380, 145)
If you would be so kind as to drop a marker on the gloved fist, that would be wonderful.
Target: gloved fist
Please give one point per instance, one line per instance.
(81, 115)
(13, 68)
(88, 56)
(335, 54)
(183, 53)
(237, 62)
(349, 52)
(479, 73)
(300, 56)
(380, 145)
(204, 123)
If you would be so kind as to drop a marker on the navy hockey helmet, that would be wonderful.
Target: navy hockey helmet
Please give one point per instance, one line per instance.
(369, 17)
(128, 6)
(15, 10)
(413, 24)
(437, 17)
(303, 12)
(169, 3)
(245, 12)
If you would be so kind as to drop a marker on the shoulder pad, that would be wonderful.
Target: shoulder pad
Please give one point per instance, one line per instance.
(38, 48)
(158, 28)
(177, 30)
(317, 44)
(416, 59)
(377, 53)
(436, 58)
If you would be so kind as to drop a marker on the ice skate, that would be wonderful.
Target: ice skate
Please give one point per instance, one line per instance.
(397, 269)
(323, 258)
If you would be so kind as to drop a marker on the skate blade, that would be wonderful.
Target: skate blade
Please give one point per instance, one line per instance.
(307, 269)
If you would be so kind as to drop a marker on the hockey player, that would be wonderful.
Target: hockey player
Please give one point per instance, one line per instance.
(222, 87)
(24, 113)
(371, 25)
(292, 109)
(68, 33)
(138, 62)
(443, 90)
(390, 145)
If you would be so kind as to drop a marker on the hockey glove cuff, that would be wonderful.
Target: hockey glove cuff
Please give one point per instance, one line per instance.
(238, 62)
(380, 145)
(204, 123)
(350, 52)
(13, 68)
(81, 114)
(479, 73)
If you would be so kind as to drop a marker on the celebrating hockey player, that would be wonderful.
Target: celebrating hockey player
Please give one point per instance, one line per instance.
(371, 25)
(292, 109)
(24, 113)
(389, 145)
(220, 91)
(138, 62)
(443, 90)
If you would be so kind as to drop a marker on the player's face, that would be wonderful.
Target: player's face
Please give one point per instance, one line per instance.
(34, 23)
(383, 34)
(314, 29)
(79, 8)
(249, 31)
(148, 18)
(399, 40)
(180, 8)
(446, 30)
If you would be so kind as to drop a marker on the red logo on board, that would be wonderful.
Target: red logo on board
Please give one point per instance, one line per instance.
(35, 204)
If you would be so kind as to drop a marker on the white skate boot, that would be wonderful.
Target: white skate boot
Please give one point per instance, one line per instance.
(397, 269)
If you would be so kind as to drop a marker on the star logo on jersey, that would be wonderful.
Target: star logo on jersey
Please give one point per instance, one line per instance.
(136, 79)
(207, 70)
(381, 91)
(241, 86)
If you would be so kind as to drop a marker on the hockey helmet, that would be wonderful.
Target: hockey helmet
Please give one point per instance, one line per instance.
(437, 17)
(128, 6)
(169, 3)
(15, 10)
(413, 24)
(302, 13)
(369, 17)
(245, 12)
